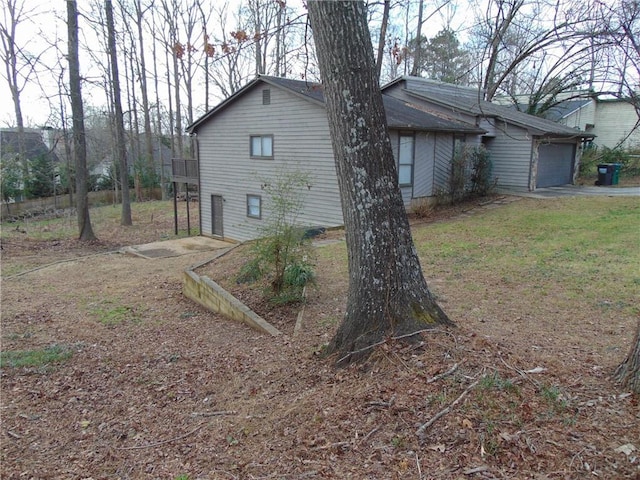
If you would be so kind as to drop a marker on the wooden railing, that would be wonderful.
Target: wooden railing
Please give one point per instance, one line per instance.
(184, 170)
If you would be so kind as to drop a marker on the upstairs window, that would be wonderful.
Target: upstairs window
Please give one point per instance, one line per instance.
(261, 146)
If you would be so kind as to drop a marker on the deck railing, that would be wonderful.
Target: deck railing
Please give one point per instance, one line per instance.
(184, 170)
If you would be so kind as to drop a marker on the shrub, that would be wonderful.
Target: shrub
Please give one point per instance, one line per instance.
(471, 173)
(281, 255)
(592, 156)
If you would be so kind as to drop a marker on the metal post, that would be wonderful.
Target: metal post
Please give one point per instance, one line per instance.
(175, 207)
(188, 216)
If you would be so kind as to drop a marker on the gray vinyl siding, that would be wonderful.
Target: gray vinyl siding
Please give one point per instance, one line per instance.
(442, 164)
(300, 141)
(511, 152)
(424, 162)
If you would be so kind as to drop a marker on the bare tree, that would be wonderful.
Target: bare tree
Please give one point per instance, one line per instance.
(382, 38)
(77, 113)
(528, 46)
(19, 64)
(121, 149)
(388, 294)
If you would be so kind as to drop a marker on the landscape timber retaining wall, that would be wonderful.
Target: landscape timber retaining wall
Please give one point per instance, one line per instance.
(212, 296)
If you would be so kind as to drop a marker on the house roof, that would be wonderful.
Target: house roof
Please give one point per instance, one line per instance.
(469, 101)
(34, 146)
(565, 108)
(400, 115)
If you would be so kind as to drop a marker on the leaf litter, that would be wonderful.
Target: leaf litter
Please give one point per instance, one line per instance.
(185, 392)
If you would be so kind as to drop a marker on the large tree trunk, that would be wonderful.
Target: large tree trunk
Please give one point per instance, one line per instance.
(388, 294)
(628, 372)
(121, 149)
(77, 114)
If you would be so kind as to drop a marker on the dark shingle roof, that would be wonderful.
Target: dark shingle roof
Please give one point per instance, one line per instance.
(32, 141)
(400, 115)
(562, 109)
(467, 100)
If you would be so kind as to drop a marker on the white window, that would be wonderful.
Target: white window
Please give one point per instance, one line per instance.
(254, 206)
(261, 146)
(405, 160)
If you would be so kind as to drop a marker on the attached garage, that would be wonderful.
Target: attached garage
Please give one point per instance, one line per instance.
(555, 164)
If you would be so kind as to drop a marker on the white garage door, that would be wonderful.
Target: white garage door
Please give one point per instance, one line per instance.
(555, 164)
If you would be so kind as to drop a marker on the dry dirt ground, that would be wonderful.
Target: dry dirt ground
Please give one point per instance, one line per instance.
(160, 388)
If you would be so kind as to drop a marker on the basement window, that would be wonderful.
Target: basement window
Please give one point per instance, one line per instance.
(254, 206)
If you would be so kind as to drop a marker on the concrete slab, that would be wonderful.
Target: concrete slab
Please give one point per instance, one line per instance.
(177, 247)
(573, 191)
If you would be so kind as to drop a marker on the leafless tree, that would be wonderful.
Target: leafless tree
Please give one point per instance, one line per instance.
(77, 113)
(121, 149)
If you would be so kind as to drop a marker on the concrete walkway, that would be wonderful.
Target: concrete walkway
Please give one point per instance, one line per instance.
(177, 247)
(573, 191)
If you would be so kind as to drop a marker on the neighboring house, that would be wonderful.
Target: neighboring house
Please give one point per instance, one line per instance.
(36, 143)
(527, 152)
(275, 124)
(162, 155)
(614, 122)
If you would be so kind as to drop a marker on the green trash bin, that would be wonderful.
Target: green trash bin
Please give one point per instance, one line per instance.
(615, 174)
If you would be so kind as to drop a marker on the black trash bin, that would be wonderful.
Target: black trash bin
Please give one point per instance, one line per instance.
(605, 174)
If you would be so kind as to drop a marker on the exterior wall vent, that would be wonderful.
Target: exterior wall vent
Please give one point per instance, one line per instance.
(266, 96)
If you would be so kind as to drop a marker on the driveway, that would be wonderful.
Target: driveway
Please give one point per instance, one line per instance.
(574, 190)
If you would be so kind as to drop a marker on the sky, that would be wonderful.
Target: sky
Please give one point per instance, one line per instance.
(44, 33)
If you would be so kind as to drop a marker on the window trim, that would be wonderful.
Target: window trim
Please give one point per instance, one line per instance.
(412, 136)
(251, 196)
(261, 137)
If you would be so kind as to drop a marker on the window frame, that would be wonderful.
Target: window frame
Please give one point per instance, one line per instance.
(250, 197)
(252, 154)
(411, 164)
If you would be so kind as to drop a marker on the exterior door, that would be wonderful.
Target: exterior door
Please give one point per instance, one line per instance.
(216, 215)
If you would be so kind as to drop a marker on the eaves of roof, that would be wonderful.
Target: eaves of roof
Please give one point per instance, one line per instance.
(534, 125)
(400, 115)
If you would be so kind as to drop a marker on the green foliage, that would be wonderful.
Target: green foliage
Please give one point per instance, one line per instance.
(110, 314)
(10, 175)
(592, 156)
(281, 254)
(495, 381)
(35, 358)
(459, 175)
(146, 173)
(442, 58)
(470, 174)
(481, 171)
(40, 181)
